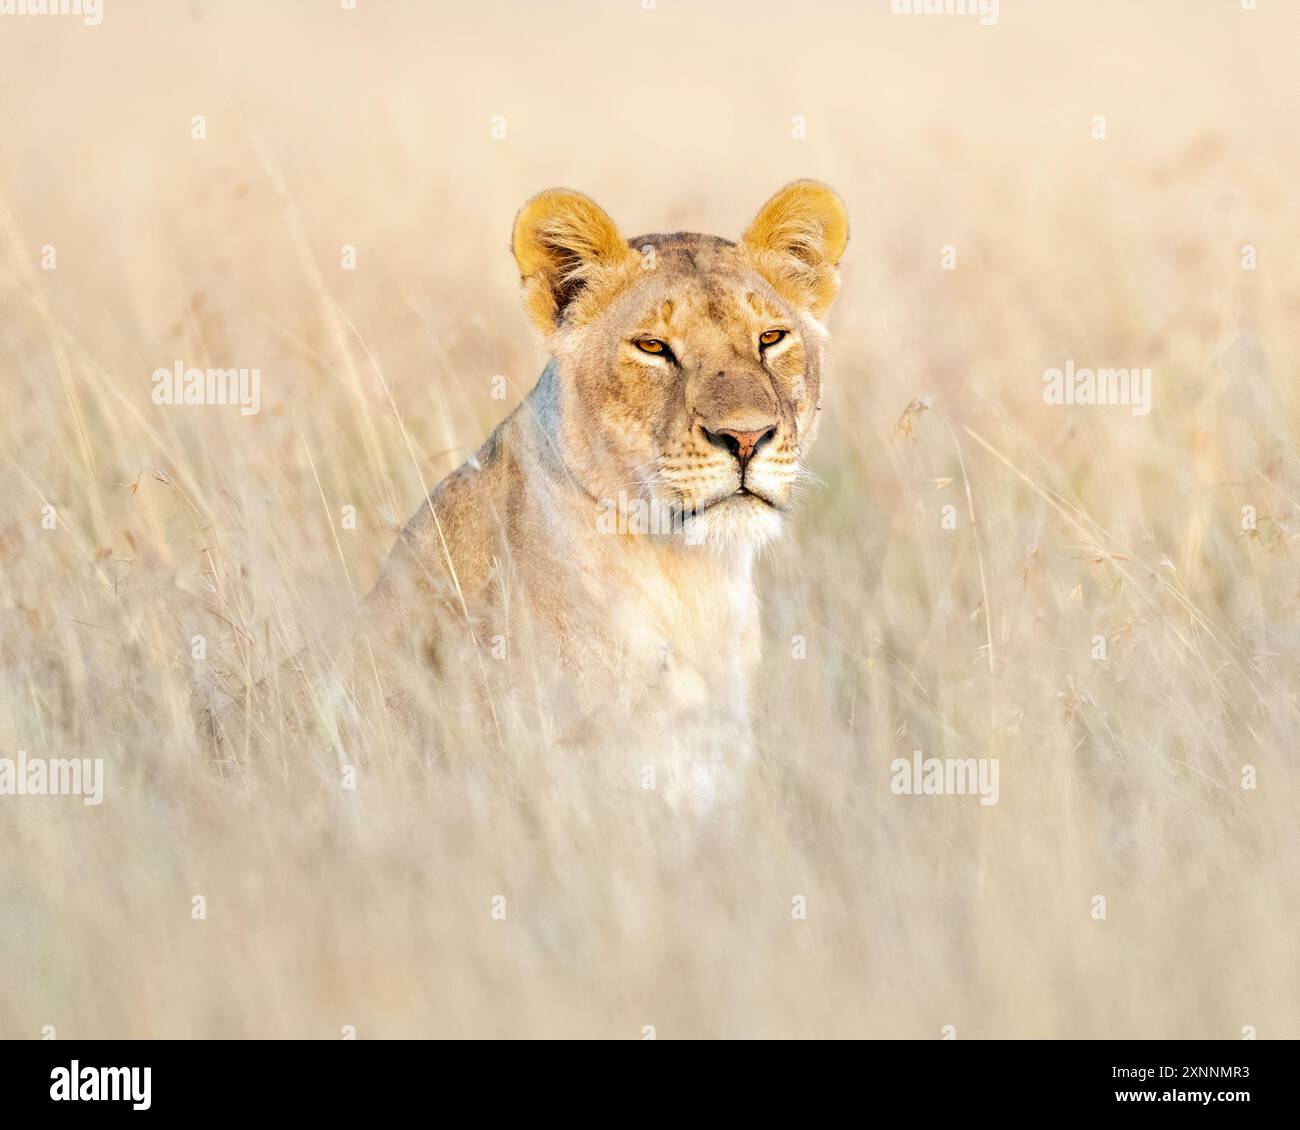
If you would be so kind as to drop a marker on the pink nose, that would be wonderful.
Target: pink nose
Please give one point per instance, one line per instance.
(742, 444)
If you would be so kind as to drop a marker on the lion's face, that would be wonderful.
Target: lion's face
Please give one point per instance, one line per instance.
(688, 368)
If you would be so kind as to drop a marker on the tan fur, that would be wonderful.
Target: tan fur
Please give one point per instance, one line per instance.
(530, 542)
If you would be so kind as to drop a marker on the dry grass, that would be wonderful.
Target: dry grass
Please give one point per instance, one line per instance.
(1119, 777)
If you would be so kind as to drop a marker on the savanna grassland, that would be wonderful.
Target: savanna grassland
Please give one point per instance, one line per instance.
(412, 133)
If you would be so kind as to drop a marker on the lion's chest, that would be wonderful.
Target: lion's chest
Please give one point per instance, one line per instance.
(683, 660)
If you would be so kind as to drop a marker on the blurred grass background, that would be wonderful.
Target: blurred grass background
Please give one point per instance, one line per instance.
(373, 128)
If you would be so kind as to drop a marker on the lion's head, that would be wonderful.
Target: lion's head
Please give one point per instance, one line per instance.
(687, 367)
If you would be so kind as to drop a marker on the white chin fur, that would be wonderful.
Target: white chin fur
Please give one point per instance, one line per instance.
(735, 522)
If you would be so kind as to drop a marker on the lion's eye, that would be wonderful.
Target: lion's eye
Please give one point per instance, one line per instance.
(770, 337)
(653, 345)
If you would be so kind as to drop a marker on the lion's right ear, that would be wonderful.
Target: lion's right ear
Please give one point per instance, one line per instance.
(562, 241)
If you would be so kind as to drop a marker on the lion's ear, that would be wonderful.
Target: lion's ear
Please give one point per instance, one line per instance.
(561, 242)
(797, 240)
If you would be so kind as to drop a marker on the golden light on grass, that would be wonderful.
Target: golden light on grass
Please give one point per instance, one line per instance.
(1171, 536)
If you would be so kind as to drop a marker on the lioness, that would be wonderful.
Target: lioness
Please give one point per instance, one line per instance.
(607, 529)
(590, 572)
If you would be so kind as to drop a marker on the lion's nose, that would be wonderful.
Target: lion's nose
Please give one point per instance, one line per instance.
(741, 444)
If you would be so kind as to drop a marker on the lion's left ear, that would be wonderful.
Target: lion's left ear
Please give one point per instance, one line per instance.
(797, 240)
